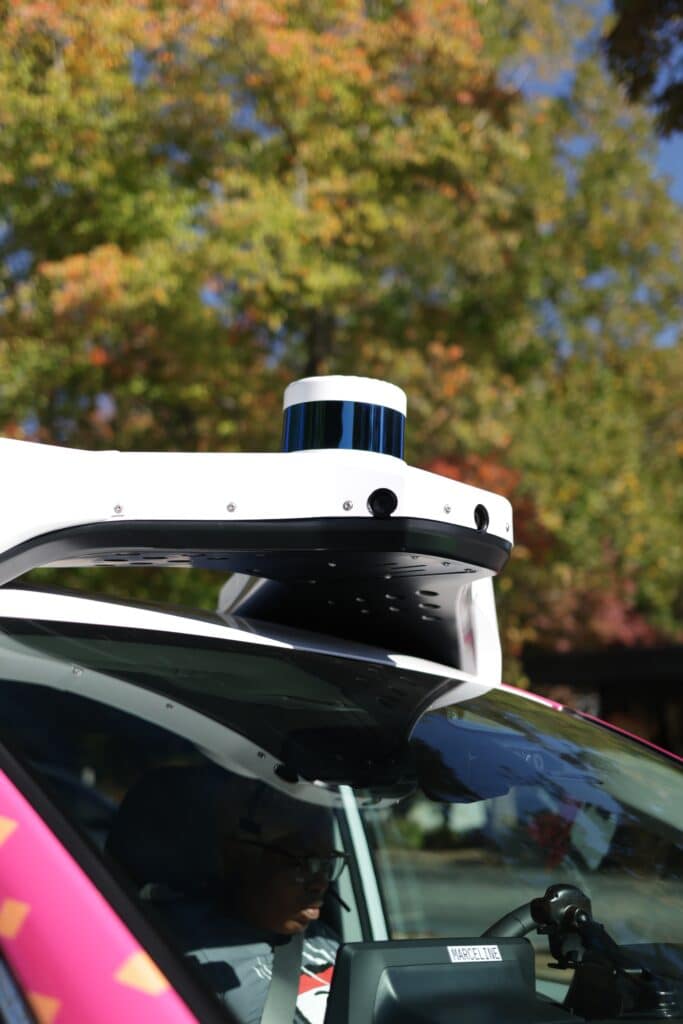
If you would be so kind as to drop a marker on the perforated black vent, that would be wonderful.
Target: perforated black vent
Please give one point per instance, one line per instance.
(390, 582)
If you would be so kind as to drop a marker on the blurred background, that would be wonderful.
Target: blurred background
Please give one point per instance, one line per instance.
(479, 200)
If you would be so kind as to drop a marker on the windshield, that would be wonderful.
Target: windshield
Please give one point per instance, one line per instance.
(178, 755)
(323, 717)
(517, 796)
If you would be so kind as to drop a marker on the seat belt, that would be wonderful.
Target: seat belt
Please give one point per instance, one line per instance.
(280, 1002)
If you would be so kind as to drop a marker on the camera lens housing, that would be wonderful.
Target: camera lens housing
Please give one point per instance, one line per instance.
(481, 518)
(382, 503)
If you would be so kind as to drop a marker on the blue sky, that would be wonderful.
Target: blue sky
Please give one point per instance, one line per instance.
(670, 162)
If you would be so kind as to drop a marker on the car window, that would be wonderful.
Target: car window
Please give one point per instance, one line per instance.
(325, 717)
(523, 796)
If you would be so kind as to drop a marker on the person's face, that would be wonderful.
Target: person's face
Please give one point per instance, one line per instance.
(276, 891)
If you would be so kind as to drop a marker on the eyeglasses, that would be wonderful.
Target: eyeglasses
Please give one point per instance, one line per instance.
(330, 867)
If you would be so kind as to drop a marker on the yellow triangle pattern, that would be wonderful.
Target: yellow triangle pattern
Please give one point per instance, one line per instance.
(139, 971)
(12, 916)
(44, 1007)
(7, 827)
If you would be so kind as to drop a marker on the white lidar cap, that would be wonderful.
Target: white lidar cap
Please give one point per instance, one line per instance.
(346, 389)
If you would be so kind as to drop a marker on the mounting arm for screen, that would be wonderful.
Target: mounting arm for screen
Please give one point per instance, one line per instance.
(610, 981)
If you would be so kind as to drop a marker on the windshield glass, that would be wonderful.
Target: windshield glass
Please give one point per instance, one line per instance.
(517, 796)
(324, 717)
(195, 763)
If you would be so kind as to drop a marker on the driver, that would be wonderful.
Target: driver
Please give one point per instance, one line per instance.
(244, 903)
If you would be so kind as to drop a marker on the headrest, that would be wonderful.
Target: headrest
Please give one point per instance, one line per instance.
(166, 830)
(172, 825)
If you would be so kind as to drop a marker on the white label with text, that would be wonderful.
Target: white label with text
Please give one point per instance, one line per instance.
(473, 954)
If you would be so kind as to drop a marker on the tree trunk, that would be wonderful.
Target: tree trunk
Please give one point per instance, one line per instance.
(319, 342)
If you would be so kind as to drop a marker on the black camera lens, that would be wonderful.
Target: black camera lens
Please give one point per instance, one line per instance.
(481, 518)
(382, 503)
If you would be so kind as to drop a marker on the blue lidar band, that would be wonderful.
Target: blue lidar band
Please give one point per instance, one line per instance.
(353, 425)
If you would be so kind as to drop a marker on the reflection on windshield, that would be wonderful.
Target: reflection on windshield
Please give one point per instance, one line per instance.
(323, 717)
(513, 802)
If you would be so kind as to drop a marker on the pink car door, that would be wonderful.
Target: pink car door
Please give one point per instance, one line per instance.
(69, 950)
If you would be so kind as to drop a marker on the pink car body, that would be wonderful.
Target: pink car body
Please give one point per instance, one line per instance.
(68, 949)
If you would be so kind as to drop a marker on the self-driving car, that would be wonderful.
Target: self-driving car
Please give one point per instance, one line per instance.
(319, 803)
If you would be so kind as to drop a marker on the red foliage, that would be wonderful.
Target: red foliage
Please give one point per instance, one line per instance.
(492, 475)
(551, 831)
(601, 616)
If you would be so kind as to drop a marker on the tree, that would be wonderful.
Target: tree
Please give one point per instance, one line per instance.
(644, 49)
(600, 558)
(189, 190)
